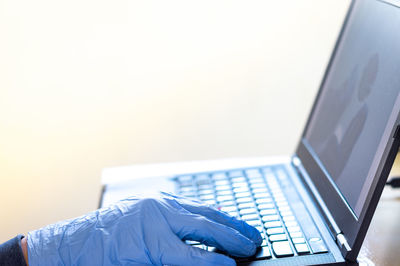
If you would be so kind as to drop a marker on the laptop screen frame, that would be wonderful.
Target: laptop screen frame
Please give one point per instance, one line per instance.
(353, 228)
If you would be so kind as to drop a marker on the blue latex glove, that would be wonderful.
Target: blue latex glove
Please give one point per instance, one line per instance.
(144, 231)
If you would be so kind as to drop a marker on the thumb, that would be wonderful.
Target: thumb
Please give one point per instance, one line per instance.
(184, 254)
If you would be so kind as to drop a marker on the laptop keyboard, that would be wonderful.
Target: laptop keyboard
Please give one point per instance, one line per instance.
(256, 196)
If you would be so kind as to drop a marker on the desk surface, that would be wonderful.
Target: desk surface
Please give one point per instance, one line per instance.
(381, 245)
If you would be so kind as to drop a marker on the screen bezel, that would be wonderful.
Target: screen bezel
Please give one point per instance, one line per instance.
(354, 228)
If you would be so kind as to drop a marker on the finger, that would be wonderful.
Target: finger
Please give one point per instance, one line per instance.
(212, 213)
(183, 254)
(199, 228)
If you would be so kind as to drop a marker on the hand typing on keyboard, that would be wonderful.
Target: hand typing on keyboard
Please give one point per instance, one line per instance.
(262, 197)
(144, 231)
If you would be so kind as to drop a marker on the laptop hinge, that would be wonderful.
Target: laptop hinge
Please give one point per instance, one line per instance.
(326, 214)
(342, 242)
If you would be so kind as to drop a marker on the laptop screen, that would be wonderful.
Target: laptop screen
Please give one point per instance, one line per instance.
(359, 102)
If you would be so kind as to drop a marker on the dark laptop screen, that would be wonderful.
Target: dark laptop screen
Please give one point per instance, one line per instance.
(359, 102)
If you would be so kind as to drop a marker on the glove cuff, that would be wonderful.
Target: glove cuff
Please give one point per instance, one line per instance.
(11, 252)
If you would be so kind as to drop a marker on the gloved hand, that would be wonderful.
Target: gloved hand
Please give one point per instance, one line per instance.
(144, 231)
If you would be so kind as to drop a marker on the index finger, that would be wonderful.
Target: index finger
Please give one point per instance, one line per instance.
(212, 213)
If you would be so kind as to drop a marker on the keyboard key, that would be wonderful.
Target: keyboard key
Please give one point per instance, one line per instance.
(272, 224)
(267, 170)
(267, 212)
(253, 173)
(256, 180)
(206, 186)
(206, 191)
(280, 199)
(268, 218)
(263, 253)
(241, 189)
(289, 218)
(200, 246)
(185, 180)
(192, 242)
(260, 229)
(278, 237)
(273, 184)
(212, 249)
(291, 224)
(284, 208)
(254, 223)
(249, 217)
(244, 200)
(222, 183)
(224, 192)
(210, 202)
(258, 185)
(222, 188)
(264, 243)
(292, 229)
(202, 176)
(246, 205)
(296, 234)
(240, 179)
(262, 196)
(247, 211)
(202, 179)
(237, 173)
(276, 230)
(227, 203)
(187, 189)
(282, 249)
(228, 209)
(219, 176)
(239, 184)
(270, 176)
(298, 240)
(264, 206)
(234, 214)
(282, 204)
(242, 194)
(260, 190)
(207, 197)
(266, 200)
(286, 213)
(317, 245)
(225, 198)
(302, 248)
(278, 194)
(258, 225)
(274, 188)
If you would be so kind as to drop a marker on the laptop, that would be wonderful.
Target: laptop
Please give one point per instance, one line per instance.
(315, 206)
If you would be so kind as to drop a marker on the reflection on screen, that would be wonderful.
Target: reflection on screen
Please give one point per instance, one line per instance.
(350, 125)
